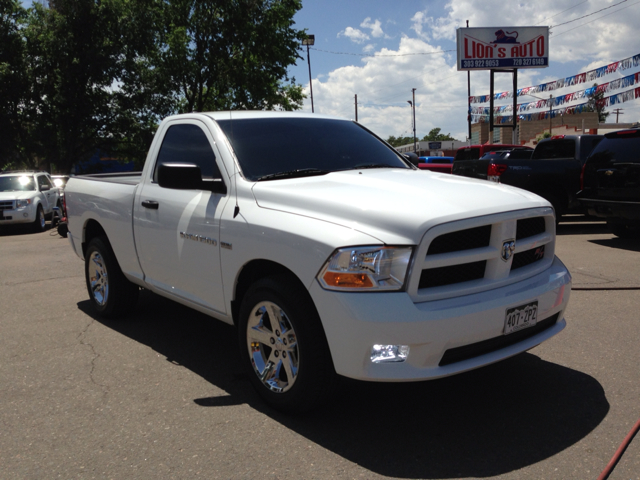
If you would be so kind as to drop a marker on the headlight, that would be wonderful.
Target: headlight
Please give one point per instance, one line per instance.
(366, 268)
(23, 203)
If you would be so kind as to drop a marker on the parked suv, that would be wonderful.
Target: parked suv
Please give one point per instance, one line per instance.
(611, 182)
(27, 197)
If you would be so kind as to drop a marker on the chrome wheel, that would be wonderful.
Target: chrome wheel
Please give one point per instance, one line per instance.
(273, 347)
(98, 278)
(41, 219)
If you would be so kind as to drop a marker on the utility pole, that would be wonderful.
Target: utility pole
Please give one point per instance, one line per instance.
(469, 97)
(413, 105)
(550, 106)
(356, 107)
(618, 111)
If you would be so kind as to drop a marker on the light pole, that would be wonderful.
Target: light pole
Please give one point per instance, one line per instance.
(310, 40)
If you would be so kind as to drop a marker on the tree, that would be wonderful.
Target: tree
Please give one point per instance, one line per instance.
(596, 104)
(81, 57)
(435, 136)
(100, 74)
(231, 54)
(13, 81)
(399, 141)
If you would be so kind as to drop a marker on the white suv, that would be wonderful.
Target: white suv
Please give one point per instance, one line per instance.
(27, 197)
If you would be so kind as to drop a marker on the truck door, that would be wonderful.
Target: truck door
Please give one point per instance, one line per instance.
(177, 232)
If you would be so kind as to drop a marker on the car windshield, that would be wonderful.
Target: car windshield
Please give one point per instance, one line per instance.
(17, 183)
(275, 148)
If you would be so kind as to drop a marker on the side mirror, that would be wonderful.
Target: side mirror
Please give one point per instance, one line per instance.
(413, 158)
(187, 176)
(44, 188)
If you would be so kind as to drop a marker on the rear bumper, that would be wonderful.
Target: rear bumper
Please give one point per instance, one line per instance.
(612, 208)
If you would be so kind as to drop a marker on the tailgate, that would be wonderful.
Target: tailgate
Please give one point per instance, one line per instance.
(618, 181)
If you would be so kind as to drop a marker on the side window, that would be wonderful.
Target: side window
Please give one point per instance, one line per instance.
(187, 143)
(42, 181)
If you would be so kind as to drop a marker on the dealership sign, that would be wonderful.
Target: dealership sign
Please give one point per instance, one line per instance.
(503, 47)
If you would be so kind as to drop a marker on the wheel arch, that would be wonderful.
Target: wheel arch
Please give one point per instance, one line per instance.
(91, 230)
(255, 270)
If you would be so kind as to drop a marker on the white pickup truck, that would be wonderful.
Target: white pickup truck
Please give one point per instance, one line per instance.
(328, 250)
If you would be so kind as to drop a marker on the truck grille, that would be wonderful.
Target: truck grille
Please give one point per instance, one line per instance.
(438, 277)
(7, 204)
(466, 257)
(461, 240)
(528, 227)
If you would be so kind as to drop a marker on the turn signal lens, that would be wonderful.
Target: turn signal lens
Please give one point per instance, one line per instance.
(366, 268)
(347, 280)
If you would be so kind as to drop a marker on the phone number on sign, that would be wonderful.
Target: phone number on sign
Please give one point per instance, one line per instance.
(480, 63)
(525, 62)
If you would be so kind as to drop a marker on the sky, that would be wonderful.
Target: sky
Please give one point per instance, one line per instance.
(380, 50)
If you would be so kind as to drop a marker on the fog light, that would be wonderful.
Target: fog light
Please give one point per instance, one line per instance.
(25, 215)
(389, 353)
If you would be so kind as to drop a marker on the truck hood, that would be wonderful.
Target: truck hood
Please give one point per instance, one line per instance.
(21, 195)
(396, 206)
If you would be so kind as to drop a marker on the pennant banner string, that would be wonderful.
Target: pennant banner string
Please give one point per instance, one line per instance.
(589, 76)
(626, 96)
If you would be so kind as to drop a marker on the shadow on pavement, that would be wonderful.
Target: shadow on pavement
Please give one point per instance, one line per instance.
(632, 245)
(13, 230)
(482, 423)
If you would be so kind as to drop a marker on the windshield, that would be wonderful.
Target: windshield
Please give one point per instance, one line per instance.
(273, 148)
(15, 183)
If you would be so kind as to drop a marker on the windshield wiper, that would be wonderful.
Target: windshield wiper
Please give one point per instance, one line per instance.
(301, 172)
(373, 165)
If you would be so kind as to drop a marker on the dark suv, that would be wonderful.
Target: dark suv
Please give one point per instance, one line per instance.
(611, 182)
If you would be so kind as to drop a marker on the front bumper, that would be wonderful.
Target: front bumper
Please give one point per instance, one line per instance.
(354, 322)
(18, 216)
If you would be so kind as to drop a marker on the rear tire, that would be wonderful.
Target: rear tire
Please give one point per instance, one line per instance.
(283, 346)
(111, 294)
(622, 229)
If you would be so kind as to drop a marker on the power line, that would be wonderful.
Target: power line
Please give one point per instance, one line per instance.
(595, 19)
(589, 14)
(554, 16)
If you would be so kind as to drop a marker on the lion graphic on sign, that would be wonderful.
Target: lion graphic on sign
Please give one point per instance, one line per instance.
(506, 37)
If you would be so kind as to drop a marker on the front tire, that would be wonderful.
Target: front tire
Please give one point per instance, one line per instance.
(283, 346)
(111, 294)
(39, 223)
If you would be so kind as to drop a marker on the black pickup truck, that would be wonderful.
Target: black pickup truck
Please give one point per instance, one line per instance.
(611, 182)
(553, 171)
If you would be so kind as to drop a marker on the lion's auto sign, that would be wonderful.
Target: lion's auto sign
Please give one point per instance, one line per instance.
(503, 47)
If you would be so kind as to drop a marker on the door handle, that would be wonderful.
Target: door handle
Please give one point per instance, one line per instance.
(152, 204)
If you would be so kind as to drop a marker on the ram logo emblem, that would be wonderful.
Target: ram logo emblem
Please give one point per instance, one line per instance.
(508, 247)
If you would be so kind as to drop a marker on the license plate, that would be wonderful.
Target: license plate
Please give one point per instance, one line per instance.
(521, 317)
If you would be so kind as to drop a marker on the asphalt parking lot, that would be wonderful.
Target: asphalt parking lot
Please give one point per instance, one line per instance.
(159, 395)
